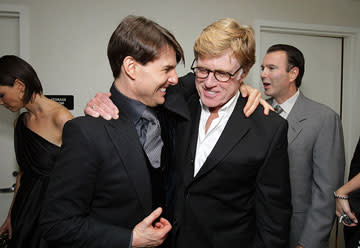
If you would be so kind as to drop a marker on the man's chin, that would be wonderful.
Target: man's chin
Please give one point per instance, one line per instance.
(210, 104)
(267, 92)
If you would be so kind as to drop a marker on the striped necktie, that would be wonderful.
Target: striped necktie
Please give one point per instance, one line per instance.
(278, 109)
(153, 143)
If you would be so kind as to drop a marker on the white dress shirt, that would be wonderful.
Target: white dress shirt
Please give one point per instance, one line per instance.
(287, 105)
(207, 141)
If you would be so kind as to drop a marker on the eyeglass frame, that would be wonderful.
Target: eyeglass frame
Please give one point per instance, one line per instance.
(214, 72)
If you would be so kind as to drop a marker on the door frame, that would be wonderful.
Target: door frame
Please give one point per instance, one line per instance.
(21, 12)
(351, 63)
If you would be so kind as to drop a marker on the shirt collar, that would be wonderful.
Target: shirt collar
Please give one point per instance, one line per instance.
(289, 103)
(131, 107)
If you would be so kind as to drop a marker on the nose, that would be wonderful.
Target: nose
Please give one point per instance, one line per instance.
(173, 79)
(210, 81)
(264, 73)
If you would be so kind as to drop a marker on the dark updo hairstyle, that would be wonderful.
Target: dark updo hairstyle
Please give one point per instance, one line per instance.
(12, 68)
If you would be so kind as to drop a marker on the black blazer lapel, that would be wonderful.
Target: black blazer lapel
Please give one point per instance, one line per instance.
(187, 133)
(236, 128)
(191, 151)
(123, 135)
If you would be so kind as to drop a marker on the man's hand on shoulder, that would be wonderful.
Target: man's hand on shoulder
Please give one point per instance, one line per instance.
(145, 234)
(101, 105)
(254, 98)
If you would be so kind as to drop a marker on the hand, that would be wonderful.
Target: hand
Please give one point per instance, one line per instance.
(342, 206)
(254, 98)
(147, 235)
(6, 227)
(101, 105)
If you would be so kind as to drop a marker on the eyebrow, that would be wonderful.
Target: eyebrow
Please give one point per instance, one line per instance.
(267, 65)
(168, 67)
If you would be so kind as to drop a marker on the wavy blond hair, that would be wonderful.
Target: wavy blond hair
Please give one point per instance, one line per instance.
(226, 34)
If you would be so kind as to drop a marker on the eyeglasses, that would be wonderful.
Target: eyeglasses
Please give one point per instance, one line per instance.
(221, 76)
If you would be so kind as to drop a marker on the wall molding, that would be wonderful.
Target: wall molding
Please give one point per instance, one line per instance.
(20, 11)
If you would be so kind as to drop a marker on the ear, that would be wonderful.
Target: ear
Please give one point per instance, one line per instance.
(129, 66)
(243, 75)
(294, 72)
(19, 85)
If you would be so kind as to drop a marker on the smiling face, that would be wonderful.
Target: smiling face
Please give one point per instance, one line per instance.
(215, 94)
(153, 78)
(10, 97)
(277, 80)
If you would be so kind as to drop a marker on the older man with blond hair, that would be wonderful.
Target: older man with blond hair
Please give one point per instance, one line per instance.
(233, 185)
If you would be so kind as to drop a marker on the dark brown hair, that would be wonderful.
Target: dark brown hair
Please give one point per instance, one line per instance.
(12, 68)
(140, 38)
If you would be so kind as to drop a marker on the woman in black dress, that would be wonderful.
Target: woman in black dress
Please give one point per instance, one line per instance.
(37, 140)
(348, 203)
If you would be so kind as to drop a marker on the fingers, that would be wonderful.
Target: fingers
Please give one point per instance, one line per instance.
(251, 104)
(153, 216)
(352, 217)
(166, 226)
(147, 235)
(243, 90)
(163, 224)
(106, 105)
(267, 106)
(254, 97)
(101, 105)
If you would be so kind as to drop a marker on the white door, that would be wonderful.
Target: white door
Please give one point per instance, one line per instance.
(323, 66)
(9, 44)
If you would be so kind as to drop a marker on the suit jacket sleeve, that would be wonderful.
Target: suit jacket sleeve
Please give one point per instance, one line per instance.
(328, 175)
(65, 220)
(273, 194)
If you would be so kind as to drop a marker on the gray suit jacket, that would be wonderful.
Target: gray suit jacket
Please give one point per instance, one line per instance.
(317, 161)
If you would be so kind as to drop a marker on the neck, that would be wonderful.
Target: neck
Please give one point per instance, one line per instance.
(284, 97)
(214, 110)
(38, 105)
(124, 85)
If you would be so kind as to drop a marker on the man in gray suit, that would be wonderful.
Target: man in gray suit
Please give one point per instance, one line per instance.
(315, 147)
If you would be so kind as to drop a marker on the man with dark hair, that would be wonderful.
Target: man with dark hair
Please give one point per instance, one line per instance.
(107, 178)
(316, 147)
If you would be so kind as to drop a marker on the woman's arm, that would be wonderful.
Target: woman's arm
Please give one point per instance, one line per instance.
(6, 226)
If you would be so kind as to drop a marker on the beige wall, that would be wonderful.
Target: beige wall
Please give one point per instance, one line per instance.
(68, 38)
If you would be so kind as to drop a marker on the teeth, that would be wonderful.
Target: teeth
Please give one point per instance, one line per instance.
(210, 92)
(163, 89)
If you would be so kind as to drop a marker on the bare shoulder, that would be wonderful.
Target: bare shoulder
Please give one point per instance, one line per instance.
(60, 116)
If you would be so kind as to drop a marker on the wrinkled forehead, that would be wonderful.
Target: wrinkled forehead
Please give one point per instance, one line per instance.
(223, 61)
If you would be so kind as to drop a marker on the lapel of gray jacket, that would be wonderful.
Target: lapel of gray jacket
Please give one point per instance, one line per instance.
(123, 135)
(236, 128)
(295, 118)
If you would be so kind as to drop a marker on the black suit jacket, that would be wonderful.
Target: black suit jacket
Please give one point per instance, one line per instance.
(101, 184)
(241, 195)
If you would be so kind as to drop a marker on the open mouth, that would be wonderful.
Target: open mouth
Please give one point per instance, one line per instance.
(210, 92)
(163, 90)
(266, 85)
